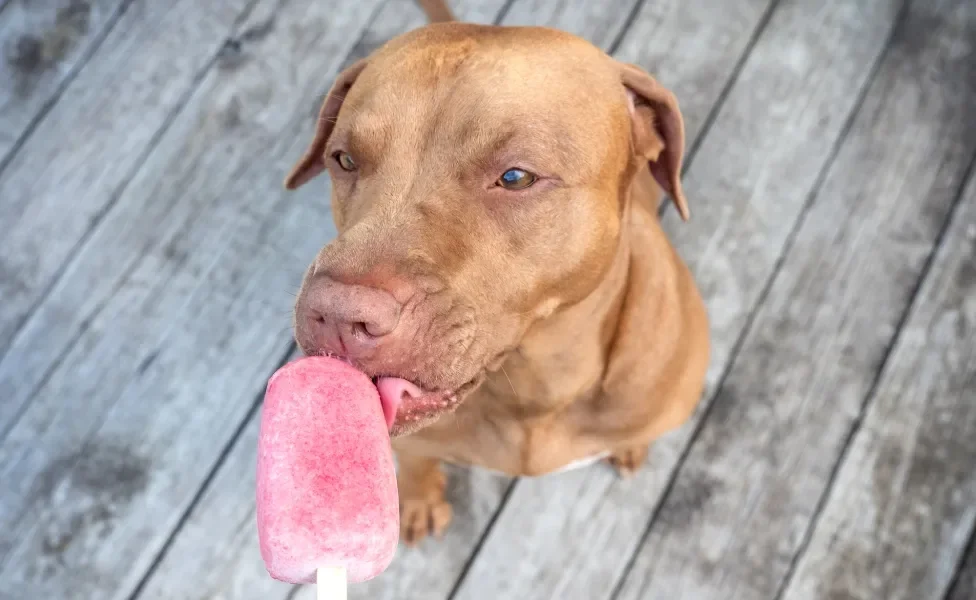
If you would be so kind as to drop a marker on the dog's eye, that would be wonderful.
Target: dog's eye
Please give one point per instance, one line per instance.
(516, 179)
(345, 160)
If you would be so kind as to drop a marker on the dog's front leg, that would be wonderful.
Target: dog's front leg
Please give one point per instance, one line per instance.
(423, 509)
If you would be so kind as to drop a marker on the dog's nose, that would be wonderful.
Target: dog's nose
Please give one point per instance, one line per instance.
(344, 319)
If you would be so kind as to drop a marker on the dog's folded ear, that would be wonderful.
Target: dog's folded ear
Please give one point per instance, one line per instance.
(312, 163)
(658, 131)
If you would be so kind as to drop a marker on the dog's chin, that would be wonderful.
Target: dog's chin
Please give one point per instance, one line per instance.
(416, 413)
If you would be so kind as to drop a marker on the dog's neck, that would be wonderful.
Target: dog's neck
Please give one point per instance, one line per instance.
(562, 358)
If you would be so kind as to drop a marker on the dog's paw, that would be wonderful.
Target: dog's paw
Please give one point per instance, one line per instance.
(423, 509)
(423, 517)
(628, 460)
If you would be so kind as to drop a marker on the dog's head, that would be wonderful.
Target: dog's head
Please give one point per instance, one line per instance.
(479, 180)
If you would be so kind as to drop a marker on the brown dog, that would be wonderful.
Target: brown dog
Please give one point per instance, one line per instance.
(500, 269)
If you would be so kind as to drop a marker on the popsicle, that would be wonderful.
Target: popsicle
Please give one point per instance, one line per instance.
(327, 504)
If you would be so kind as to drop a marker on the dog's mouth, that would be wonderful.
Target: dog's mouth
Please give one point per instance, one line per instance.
(406, 401)
(408, 407)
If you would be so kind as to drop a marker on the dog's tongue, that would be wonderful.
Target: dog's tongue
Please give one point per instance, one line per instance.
(392, 391)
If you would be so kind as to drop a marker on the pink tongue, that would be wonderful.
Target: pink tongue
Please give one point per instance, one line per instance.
(392, 390)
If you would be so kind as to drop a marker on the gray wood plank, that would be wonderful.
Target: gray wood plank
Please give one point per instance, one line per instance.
(903, 504)
(42, 46)
(964, 586)
(186, 290)
(217, 557)
(747, 186)
(741, 506)
(80, 158)
(476, 494)
(590, 20)
(694, 48)
(430, 571)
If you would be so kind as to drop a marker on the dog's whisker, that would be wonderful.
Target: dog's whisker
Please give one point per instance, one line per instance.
(510, 381)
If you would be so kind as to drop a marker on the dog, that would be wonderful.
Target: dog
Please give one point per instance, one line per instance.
(500, 270)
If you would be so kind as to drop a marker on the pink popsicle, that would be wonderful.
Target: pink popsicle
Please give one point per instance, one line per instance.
(326, 486)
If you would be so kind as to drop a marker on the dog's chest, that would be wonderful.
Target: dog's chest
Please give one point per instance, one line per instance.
(571, 466)
(525, 446)
(533, 416)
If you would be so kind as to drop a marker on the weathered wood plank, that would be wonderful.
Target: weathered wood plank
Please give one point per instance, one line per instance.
(747, 186)
(217, 557)
(742, 503)
(964, 586)
(590, 20)
(399, 16)
(903, 504)
(81, 156)
(43, 44)
(693, 48)
(186, 308)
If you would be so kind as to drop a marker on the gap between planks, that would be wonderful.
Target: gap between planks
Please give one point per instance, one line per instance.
(845, 552)
(35, 82)
(918, 237)
(58, 257)
(963, 586)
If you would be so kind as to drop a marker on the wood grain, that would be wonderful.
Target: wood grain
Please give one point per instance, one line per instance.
(782, 116)
(78, 161)
(43, 44)
(964, 586)
(590, 20)
(694, 48)
(901, 508)
(742, 503)
(185, 295)
(217, 557)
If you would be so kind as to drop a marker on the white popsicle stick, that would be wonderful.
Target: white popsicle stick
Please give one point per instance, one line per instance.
(330, 583)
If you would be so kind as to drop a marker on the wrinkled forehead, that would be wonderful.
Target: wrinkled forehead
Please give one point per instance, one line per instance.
(483, 97)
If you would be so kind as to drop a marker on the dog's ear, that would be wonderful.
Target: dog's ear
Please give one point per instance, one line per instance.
(312, 163)
(658, 131)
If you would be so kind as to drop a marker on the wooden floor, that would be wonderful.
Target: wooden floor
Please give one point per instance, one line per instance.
(148, 254)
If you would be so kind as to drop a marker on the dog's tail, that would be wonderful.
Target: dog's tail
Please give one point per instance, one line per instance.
(437, 11)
